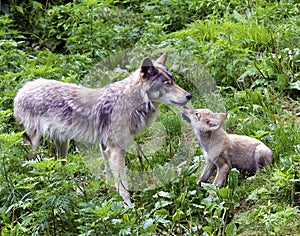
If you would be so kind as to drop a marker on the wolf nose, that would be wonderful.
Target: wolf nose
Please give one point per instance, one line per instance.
(189, 96)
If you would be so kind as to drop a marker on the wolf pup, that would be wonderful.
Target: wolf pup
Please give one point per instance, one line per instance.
(223, 151)
(111, 116)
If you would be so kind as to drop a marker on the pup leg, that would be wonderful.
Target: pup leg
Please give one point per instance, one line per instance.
(62, 147)
(222, 172)
(34, 138)
(207, 172)
(117, 166)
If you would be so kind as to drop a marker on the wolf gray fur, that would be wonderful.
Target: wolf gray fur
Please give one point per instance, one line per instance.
(112, 115)
(223, 151)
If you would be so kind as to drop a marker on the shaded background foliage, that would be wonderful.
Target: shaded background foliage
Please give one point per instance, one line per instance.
(250, 48)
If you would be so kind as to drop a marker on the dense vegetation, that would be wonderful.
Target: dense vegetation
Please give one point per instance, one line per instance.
(248, 55)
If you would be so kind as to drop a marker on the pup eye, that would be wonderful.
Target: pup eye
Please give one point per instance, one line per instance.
(197, 114)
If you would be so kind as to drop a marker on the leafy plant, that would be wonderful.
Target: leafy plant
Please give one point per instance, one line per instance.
(248, 56)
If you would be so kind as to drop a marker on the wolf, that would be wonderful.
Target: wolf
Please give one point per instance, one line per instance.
(223, 151)
(110, 116)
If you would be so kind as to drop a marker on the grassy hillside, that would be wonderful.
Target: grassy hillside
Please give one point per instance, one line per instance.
(242, 57)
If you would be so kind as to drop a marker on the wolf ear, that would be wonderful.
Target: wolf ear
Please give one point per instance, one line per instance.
(147, 68)
(162, 59)
(147, 62)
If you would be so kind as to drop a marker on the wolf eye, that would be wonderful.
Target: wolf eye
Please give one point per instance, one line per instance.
(167, 82)
(197, 114)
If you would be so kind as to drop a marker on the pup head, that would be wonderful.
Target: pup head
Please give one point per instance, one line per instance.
(160, 83)
(203, 119)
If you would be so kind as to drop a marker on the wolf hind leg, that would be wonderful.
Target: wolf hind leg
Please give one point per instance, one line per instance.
(62, 147)
(105, 155)
(117, 166)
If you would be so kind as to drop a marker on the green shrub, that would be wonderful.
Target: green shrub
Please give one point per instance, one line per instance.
(250, 49)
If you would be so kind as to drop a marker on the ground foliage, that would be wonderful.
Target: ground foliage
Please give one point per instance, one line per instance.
(250, 48)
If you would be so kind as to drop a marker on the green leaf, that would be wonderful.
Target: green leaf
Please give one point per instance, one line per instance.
(260, 134)
(148, 223)
(210, 188)
(207, 229)
(163, 194)
(162, 213)
(233, 178)
(19, 9)
(177, 215)
(37, 6)
(162, 203)
(231, 229)
(295, 85)
(224, 193)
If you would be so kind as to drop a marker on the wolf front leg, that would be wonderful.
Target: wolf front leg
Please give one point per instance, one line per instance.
(62, 147)
(117, 166)
(34, 140)
(207, 172)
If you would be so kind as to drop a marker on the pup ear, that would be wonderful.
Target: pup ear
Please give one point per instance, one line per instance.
(162, 59)
(217, 122)
(214, 124)
(221, 116)
(147, 68)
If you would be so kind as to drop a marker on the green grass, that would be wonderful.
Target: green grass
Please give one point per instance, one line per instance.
(242, 58)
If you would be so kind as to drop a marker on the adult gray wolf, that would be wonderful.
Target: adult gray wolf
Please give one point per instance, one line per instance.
(112, 115)
(223, 151)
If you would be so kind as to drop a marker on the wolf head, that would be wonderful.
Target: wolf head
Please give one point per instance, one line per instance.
(203, 119)
(161, 85)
